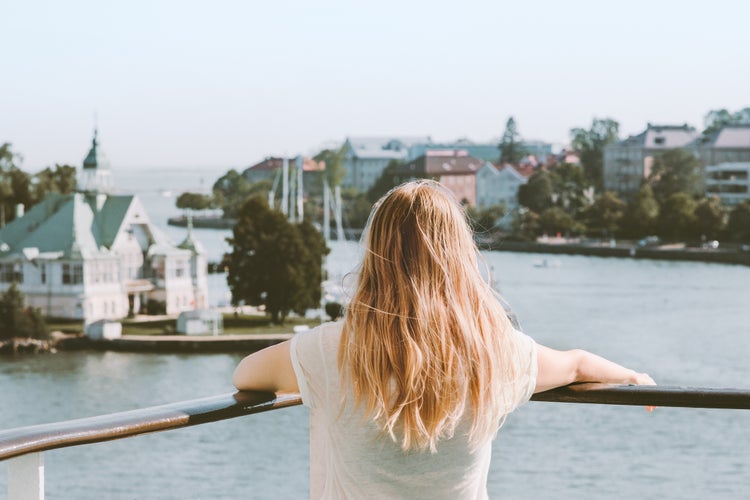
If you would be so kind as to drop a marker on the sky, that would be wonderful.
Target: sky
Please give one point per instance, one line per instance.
(228, 83)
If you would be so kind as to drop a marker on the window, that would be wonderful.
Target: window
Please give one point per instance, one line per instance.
(43, 269)
(72, 274)
(659, 140)
(11, 272)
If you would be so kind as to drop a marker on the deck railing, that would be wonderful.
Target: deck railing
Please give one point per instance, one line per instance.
(23, 447)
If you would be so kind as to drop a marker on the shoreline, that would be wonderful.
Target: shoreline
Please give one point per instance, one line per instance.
(717, 256)
(170, 344)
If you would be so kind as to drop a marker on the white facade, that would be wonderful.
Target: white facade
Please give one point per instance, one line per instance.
(94, 256)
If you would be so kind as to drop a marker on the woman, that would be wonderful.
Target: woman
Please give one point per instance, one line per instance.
(408, 391)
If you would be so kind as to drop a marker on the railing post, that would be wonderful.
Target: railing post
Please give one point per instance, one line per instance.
(26, 477)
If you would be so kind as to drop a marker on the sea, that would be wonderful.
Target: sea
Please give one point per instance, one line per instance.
(686, 324)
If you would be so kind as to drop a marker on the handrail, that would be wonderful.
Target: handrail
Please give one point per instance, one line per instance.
(24, 440)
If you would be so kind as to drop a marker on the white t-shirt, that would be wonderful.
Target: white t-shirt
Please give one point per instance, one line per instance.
(349, 456)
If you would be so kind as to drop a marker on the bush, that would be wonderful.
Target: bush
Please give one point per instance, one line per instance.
(334, 310)
(17, 320)
(156, 307)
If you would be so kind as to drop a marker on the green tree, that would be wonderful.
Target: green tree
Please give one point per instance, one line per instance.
(675, 171)
(738, 226)
(537, 193)
(61, 179)
(677, 217)
(511, 147)
(388, 179)
(15, 184)
(356, 209)
(718, 118)
(590, 145)
(641, 215)
(570, 188)
(604, 215)
(193, 201)
(710, 217)
(230, 191)
(274, 263)
(484, 219)
(17, 320)
(526, 225)
(334, 161)
(555, 220)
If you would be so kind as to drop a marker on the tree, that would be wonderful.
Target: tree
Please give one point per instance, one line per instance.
(710, 217)
(17, 320)
(555, 220)
(274, 263)
(738, 226)
(537, 193)
(61, 179)
(193, 201)
(484, 219)
(675, 171)
(14, 184)
(590, 145)
(677, 217)
(511, 147)
(641, 214)
(526, 225)
(230, 191)
(718, 118)
(356, 209)
(571, 189)
(604, 215)
(334, 161)
(388, 179)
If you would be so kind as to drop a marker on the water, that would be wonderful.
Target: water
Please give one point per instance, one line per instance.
(684, 323)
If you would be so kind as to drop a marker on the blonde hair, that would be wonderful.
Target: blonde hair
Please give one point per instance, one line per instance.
(424, 334)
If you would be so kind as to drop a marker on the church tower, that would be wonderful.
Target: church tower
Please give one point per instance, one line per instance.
(96, 176)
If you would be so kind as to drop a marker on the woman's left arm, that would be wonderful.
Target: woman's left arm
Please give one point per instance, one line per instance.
(267, 370)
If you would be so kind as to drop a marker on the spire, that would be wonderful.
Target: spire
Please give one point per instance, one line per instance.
(190, 243)
(96, 176)
(95, 159)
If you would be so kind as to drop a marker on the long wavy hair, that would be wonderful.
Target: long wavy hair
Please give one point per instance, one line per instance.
(425, 335)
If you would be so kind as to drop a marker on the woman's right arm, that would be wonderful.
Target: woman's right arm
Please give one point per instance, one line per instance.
(559, 368)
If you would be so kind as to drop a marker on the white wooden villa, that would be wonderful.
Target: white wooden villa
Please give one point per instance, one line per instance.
(95, 255)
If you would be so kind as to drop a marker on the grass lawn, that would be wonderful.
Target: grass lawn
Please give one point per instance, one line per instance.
(64, 325)
(242, 324)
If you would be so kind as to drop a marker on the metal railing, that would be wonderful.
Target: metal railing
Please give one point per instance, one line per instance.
(23, 447)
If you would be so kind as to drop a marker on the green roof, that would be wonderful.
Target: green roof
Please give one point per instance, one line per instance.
(71, 224)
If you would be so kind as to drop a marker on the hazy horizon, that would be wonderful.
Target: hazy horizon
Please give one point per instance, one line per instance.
(188, 84)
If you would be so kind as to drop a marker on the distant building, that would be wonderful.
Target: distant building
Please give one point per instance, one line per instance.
(487, 151)
(628, 162)
(725, 156)
(93, 255)
(729, 181)
(271, 167)
(499, 185)
(538, 149)
(730, 143)
(456, 170)
(483, 151)
(365, 158)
